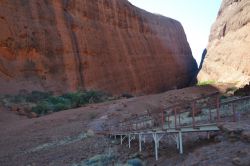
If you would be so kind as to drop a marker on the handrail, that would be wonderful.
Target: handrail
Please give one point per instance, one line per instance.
(235, 100)
(141, 121)
(195, 99)
(172, 106)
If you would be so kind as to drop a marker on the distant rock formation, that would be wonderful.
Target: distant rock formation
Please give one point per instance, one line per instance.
(228, 52)
(106, 45)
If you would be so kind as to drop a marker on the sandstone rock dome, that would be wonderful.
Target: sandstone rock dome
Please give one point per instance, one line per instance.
(106, 45)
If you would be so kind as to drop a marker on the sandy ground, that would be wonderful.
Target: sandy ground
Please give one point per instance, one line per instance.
(65, 138)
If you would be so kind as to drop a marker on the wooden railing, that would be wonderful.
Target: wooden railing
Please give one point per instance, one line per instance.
(205, 110)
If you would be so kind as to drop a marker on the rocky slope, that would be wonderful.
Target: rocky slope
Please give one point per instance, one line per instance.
(67, 138)
(107, 45)
(228, 56)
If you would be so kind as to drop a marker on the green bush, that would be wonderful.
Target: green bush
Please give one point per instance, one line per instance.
(17, 99)
(204, 83)
(68, 101)
(24, 97)
(45, 101)
(102, 160)
(74, 98)
(135, 162)
(91, 97)
(37, 96)
(42, 108)
(61, 106)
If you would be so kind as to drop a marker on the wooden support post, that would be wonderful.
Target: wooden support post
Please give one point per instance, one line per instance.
(162, 119)
(179, 119)
(122, 138)
(177, 141)
(156, 145)
(210, 116)
(193, 114)
(129, 140)
(168, 121)
(175, 121)
(140, 137)
(180, 142)
(157, 139)
(218, 107)
(234, 113)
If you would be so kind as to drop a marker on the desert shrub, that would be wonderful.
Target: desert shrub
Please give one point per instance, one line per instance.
(127, 95)
(41, 108)
(103, 160)
(204, 83)
(67, 101)
(58, 103)
(17, 99)
(36, 96)
(26, 97)
(56, 99)
(52, 104)
(74, 98)
(61, 106)
(92, 97)
(45, 102)
(135, 162)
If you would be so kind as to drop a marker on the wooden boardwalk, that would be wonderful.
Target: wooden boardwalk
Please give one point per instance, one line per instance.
(198, 115)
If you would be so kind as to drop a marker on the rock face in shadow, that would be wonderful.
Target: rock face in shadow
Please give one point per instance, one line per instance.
(228, 52)
(106, 45)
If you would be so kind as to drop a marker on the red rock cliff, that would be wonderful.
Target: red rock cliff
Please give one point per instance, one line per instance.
(108, 45)
(228, 52)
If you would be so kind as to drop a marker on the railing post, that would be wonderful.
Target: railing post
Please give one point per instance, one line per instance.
(180, 142)
(218, 107)
(129, 140)
(234, 114)
(140, 137)
(175, 120)
(168, 121)
(156, 145)
(193, 113)
(177, 141)
(179, 120)
(162, 119)
(210, 115)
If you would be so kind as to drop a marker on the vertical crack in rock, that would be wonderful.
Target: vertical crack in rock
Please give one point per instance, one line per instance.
(76, 52)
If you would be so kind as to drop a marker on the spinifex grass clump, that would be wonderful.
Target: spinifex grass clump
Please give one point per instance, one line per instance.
(68, 100)
(24, 97)
(204, 83)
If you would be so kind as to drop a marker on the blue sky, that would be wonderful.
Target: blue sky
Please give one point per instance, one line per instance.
(196, 16)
